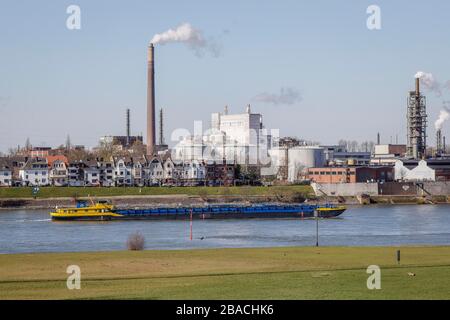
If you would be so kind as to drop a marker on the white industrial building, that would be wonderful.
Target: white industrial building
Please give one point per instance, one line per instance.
(387, 154)
(303, 157)
(419, 171)
(239, 138)
(291, 163)
(278, 168)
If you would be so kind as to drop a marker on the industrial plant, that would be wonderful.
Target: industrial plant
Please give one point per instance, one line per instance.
(243, 139)
(237, 148)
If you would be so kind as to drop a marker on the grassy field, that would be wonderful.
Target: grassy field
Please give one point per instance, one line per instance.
(54, 192)
(262, 273)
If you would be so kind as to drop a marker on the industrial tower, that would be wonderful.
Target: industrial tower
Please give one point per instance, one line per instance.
(151, 141)
(417, 124)
(439, 146)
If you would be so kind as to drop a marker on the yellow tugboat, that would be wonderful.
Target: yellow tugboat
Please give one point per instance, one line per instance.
(102, 210)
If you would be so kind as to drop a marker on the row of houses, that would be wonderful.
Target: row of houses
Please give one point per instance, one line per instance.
(58, 171)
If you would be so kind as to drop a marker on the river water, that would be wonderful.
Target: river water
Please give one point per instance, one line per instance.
(33, 231)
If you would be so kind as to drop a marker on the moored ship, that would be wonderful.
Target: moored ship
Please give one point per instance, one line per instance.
(104, 211)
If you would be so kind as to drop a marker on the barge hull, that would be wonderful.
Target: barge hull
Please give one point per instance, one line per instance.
(204, 216)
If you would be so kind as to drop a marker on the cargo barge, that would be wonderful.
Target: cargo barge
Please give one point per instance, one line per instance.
(104, 211)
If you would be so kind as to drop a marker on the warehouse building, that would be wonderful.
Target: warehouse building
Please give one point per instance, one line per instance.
(387, 154)
(351, 174)
(422, 170)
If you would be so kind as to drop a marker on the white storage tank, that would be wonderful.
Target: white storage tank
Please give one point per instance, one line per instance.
(303, 157)
(278, 156)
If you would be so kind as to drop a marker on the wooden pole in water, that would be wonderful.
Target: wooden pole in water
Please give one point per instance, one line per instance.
(316, 214)
(191, 224)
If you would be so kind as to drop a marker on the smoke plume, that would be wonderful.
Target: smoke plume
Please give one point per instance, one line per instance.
(444, 115)
(429, 82)
(287, 96)
(190, 36)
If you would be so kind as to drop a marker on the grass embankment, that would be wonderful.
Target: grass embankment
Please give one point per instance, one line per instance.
(55, 192)
(262, 273)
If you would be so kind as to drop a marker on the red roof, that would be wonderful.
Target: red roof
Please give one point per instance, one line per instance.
(51, 159)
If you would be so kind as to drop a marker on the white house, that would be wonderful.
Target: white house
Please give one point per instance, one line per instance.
(92, 175)
(154, 172)
(5, 176)
(75, 174)
(169, 170)
(35, 173)
(122, 173)
(193, 171)
(137, 173)
(58, 174)
(106, 172)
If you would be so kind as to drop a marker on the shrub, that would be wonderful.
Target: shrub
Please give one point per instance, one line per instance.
(136, 241)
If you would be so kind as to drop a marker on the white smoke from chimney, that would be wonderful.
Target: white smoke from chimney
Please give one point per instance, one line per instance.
(192, 37)
(287, 96)
(429, 82)
(444, 115)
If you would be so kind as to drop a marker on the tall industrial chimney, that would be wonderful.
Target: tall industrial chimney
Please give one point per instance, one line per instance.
(151, 141)
(417, 87)
(128, 127)
(439, 142)
(444, 148)
(161, 127)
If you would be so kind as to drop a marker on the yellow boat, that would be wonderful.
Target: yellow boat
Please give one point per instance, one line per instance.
(101, 210)
(324, 211)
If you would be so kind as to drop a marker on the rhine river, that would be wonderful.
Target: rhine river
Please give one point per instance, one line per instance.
(33, 231)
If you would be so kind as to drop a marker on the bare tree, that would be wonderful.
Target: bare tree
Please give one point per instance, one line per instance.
(78, 154)
(138, 148)
(106, 149)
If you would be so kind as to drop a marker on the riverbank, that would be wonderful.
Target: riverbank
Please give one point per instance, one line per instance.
(258, 273)
(49, 197)
(75, 192)
(187, 200)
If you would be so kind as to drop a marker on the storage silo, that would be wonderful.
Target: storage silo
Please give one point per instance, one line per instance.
(303, 157)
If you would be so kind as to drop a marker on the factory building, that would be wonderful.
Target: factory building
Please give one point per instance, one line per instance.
(350, 158)
(422, 170)
(350, 174)
(387, 154)
(338, 155)
(329, 151)
(239, 138)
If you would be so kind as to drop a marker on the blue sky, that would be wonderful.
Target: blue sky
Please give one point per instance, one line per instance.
(353, 81)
